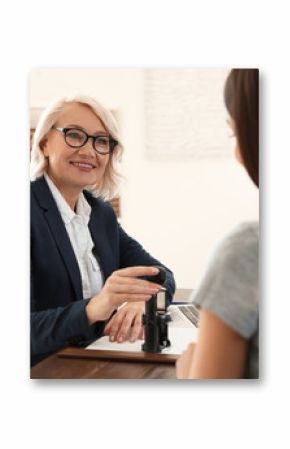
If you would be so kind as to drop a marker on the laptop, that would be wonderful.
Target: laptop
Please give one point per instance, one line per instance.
(182, 311)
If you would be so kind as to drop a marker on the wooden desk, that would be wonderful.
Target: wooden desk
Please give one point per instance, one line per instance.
(56, 367)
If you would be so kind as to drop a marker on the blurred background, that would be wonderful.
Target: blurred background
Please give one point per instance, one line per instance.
(182, 189)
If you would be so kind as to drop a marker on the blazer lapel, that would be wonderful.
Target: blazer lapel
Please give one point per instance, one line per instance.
(102, 251)
(59, 233)
(99, 250)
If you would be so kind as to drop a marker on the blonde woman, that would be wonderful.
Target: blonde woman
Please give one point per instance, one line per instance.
(83, 264)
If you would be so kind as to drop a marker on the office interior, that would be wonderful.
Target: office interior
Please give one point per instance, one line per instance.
(182, 189)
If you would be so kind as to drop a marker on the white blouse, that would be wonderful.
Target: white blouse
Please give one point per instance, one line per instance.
(77, 228)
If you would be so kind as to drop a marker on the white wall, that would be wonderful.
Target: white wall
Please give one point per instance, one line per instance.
(177, 209)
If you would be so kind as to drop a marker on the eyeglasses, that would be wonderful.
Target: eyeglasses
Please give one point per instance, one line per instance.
(77, 138)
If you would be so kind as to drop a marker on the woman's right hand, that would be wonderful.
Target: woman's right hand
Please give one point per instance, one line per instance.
(184, 362)
(122, 286)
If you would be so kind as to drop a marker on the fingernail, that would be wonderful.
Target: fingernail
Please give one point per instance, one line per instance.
(162, 288)
(155, 270)
(120, 339)
(112, 338)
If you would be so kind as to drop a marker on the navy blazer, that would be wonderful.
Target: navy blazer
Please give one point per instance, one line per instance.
(58, 317)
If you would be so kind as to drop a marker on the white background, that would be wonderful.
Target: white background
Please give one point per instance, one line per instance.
(141, 414)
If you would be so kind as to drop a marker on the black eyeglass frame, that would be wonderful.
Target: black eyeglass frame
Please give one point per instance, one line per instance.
(112, 142)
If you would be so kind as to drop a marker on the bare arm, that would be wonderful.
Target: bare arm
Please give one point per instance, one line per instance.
(219, 354)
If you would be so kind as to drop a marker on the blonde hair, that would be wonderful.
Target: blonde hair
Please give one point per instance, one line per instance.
(38, 164)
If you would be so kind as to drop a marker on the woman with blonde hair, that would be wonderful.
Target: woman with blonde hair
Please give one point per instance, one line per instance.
(83, 264)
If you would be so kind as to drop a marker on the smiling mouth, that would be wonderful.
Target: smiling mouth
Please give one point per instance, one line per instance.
(83, 165)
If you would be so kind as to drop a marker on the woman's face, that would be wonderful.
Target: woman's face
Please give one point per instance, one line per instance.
(64, 161)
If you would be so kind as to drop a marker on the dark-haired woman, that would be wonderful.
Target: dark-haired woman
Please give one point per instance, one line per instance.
(228, 343)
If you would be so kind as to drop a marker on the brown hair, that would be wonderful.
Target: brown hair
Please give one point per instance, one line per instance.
(241, 96)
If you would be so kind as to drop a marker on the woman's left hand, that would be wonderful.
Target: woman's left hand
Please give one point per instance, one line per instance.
(126, 323)
(184, 362)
